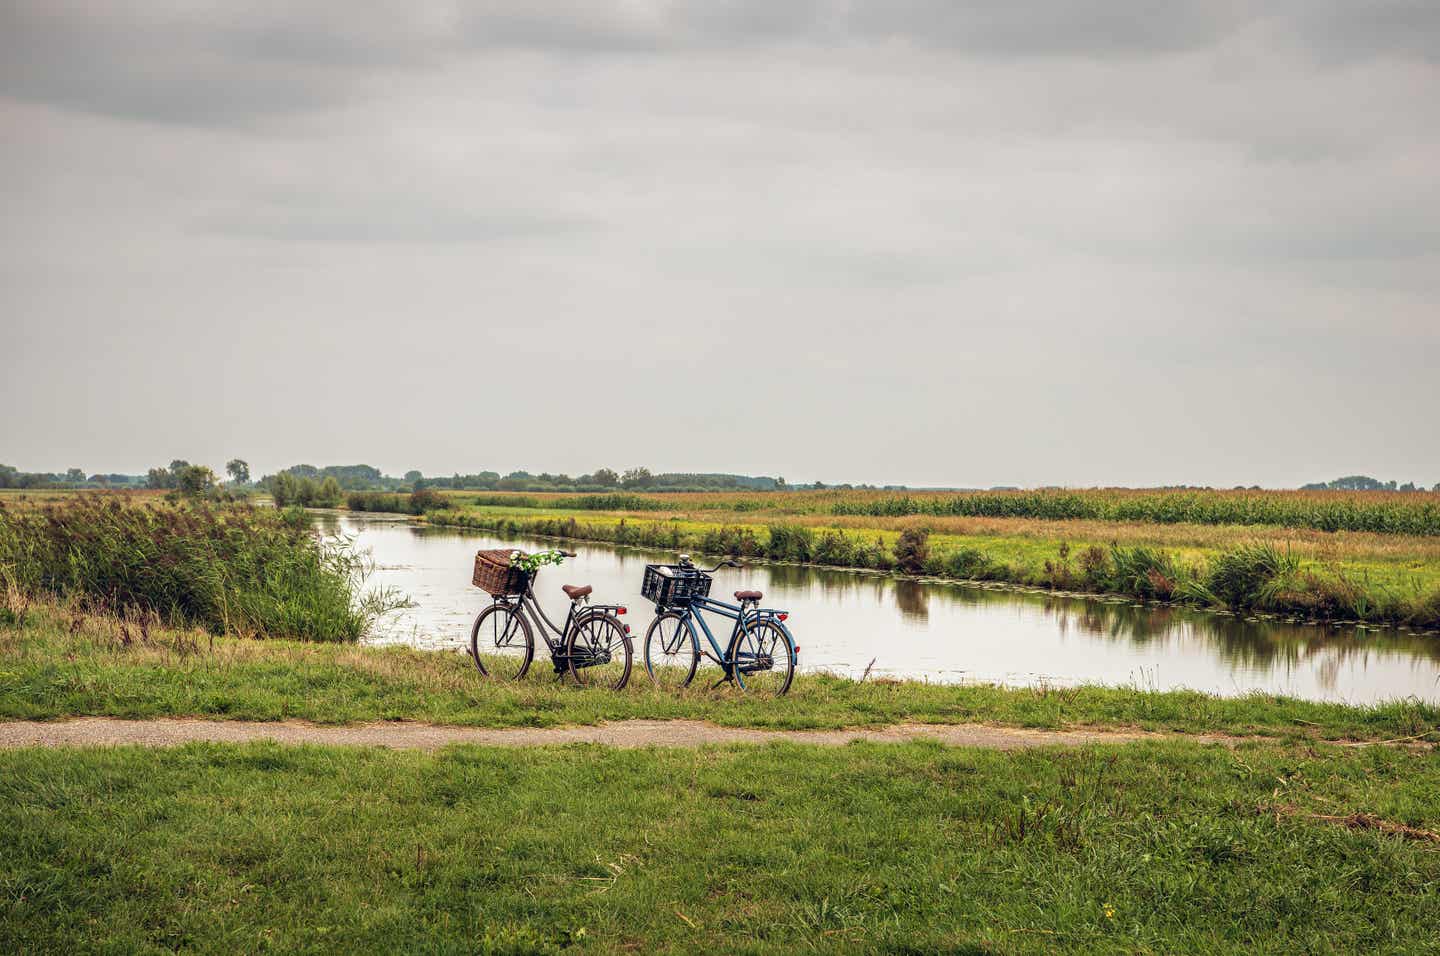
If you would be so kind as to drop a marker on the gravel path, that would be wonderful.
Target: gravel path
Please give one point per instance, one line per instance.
(105, 731)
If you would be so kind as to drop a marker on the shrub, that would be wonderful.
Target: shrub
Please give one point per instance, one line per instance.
(834, 548)
(912, 549)
(376, 501)
(1251, 576)
(968, 563)
(789, 543)
(1144, 572)
(1095, 569)
(425, 500)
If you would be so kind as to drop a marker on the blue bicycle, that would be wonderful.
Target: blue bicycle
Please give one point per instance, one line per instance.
(760, 656)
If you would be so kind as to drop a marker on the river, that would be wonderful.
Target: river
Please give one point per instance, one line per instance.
(930, 630)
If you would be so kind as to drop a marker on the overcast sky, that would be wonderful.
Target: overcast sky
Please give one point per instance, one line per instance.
(935, 242)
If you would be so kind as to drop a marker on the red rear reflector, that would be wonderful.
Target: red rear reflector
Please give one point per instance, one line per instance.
(797, 648)
(627, 628)
(621, 610)
(785, 615)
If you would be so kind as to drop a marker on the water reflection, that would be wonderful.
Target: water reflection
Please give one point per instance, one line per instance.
(937, 630)
(913, 600)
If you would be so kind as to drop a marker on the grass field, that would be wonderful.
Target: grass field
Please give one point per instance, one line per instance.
(1302, 572)
(59, 663)
(1164, 847)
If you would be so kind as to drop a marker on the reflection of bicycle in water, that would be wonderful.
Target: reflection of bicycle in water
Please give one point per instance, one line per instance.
(760, 655)
(592, 646)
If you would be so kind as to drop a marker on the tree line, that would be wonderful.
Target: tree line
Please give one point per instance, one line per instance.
(1364, 483)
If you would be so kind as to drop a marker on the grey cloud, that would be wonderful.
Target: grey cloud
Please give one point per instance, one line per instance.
(144, 67)
(368, 222)
(1037, 28)
(1348, 30)
(222, 63)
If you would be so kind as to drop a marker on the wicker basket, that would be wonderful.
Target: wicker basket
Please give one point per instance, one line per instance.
(493, 573)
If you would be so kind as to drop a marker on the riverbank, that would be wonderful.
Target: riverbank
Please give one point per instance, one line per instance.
(1308, 575)
(57, 663)
(1148, 847)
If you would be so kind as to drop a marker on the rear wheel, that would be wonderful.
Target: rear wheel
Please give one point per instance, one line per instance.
(500, 642)
(764, 659)
(599, 653)
(671, 651)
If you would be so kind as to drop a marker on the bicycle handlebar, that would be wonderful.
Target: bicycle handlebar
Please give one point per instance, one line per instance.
(685, 562)
(727, 563)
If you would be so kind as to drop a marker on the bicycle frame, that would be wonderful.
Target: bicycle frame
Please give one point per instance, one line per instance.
(528, 605)
(742, 617)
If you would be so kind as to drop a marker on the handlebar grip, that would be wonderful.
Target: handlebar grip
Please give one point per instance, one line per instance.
(569, 554)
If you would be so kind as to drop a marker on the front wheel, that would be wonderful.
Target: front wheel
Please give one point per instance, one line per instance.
(500, 642)
(672, 651)
(598, 652)
(764, 659)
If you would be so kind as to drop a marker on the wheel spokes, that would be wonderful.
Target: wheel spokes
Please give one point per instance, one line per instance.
(763, 662)
(503, 643)
(600, 653)
(670, 653)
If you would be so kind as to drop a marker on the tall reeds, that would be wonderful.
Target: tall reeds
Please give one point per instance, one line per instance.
(225, 568)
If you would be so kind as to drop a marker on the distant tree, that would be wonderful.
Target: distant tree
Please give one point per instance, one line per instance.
(178, 465)
(329, 493)
(161, 477)
(285, 489)
(195, 480)
(605, 477)
(10, 476)
(636, 478)
(76, 476)
(307, 491)
(413, 476)
(239, 471)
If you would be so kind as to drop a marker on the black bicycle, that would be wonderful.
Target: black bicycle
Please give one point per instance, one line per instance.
(593, 646)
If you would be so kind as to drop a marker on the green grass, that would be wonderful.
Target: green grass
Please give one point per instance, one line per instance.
(1148, 848)
(60, 664)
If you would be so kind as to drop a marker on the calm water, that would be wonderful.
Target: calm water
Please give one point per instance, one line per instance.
(937, 631)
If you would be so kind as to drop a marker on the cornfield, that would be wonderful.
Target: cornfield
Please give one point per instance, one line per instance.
(1380, 512)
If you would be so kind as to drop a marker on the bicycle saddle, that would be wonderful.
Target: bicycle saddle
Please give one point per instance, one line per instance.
(748, 595)
(576, 591)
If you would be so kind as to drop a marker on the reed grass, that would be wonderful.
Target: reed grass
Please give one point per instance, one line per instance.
(224, 568)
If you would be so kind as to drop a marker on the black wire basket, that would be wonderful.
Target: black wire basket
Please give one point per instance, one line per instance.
(674, 585)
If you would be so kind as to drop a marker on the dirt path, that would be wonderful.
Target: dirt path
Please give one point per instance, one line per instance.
(105, 731)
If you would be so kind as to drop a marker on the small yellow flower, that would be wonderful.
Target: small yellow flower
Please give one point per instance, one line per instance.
(1109, 911)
